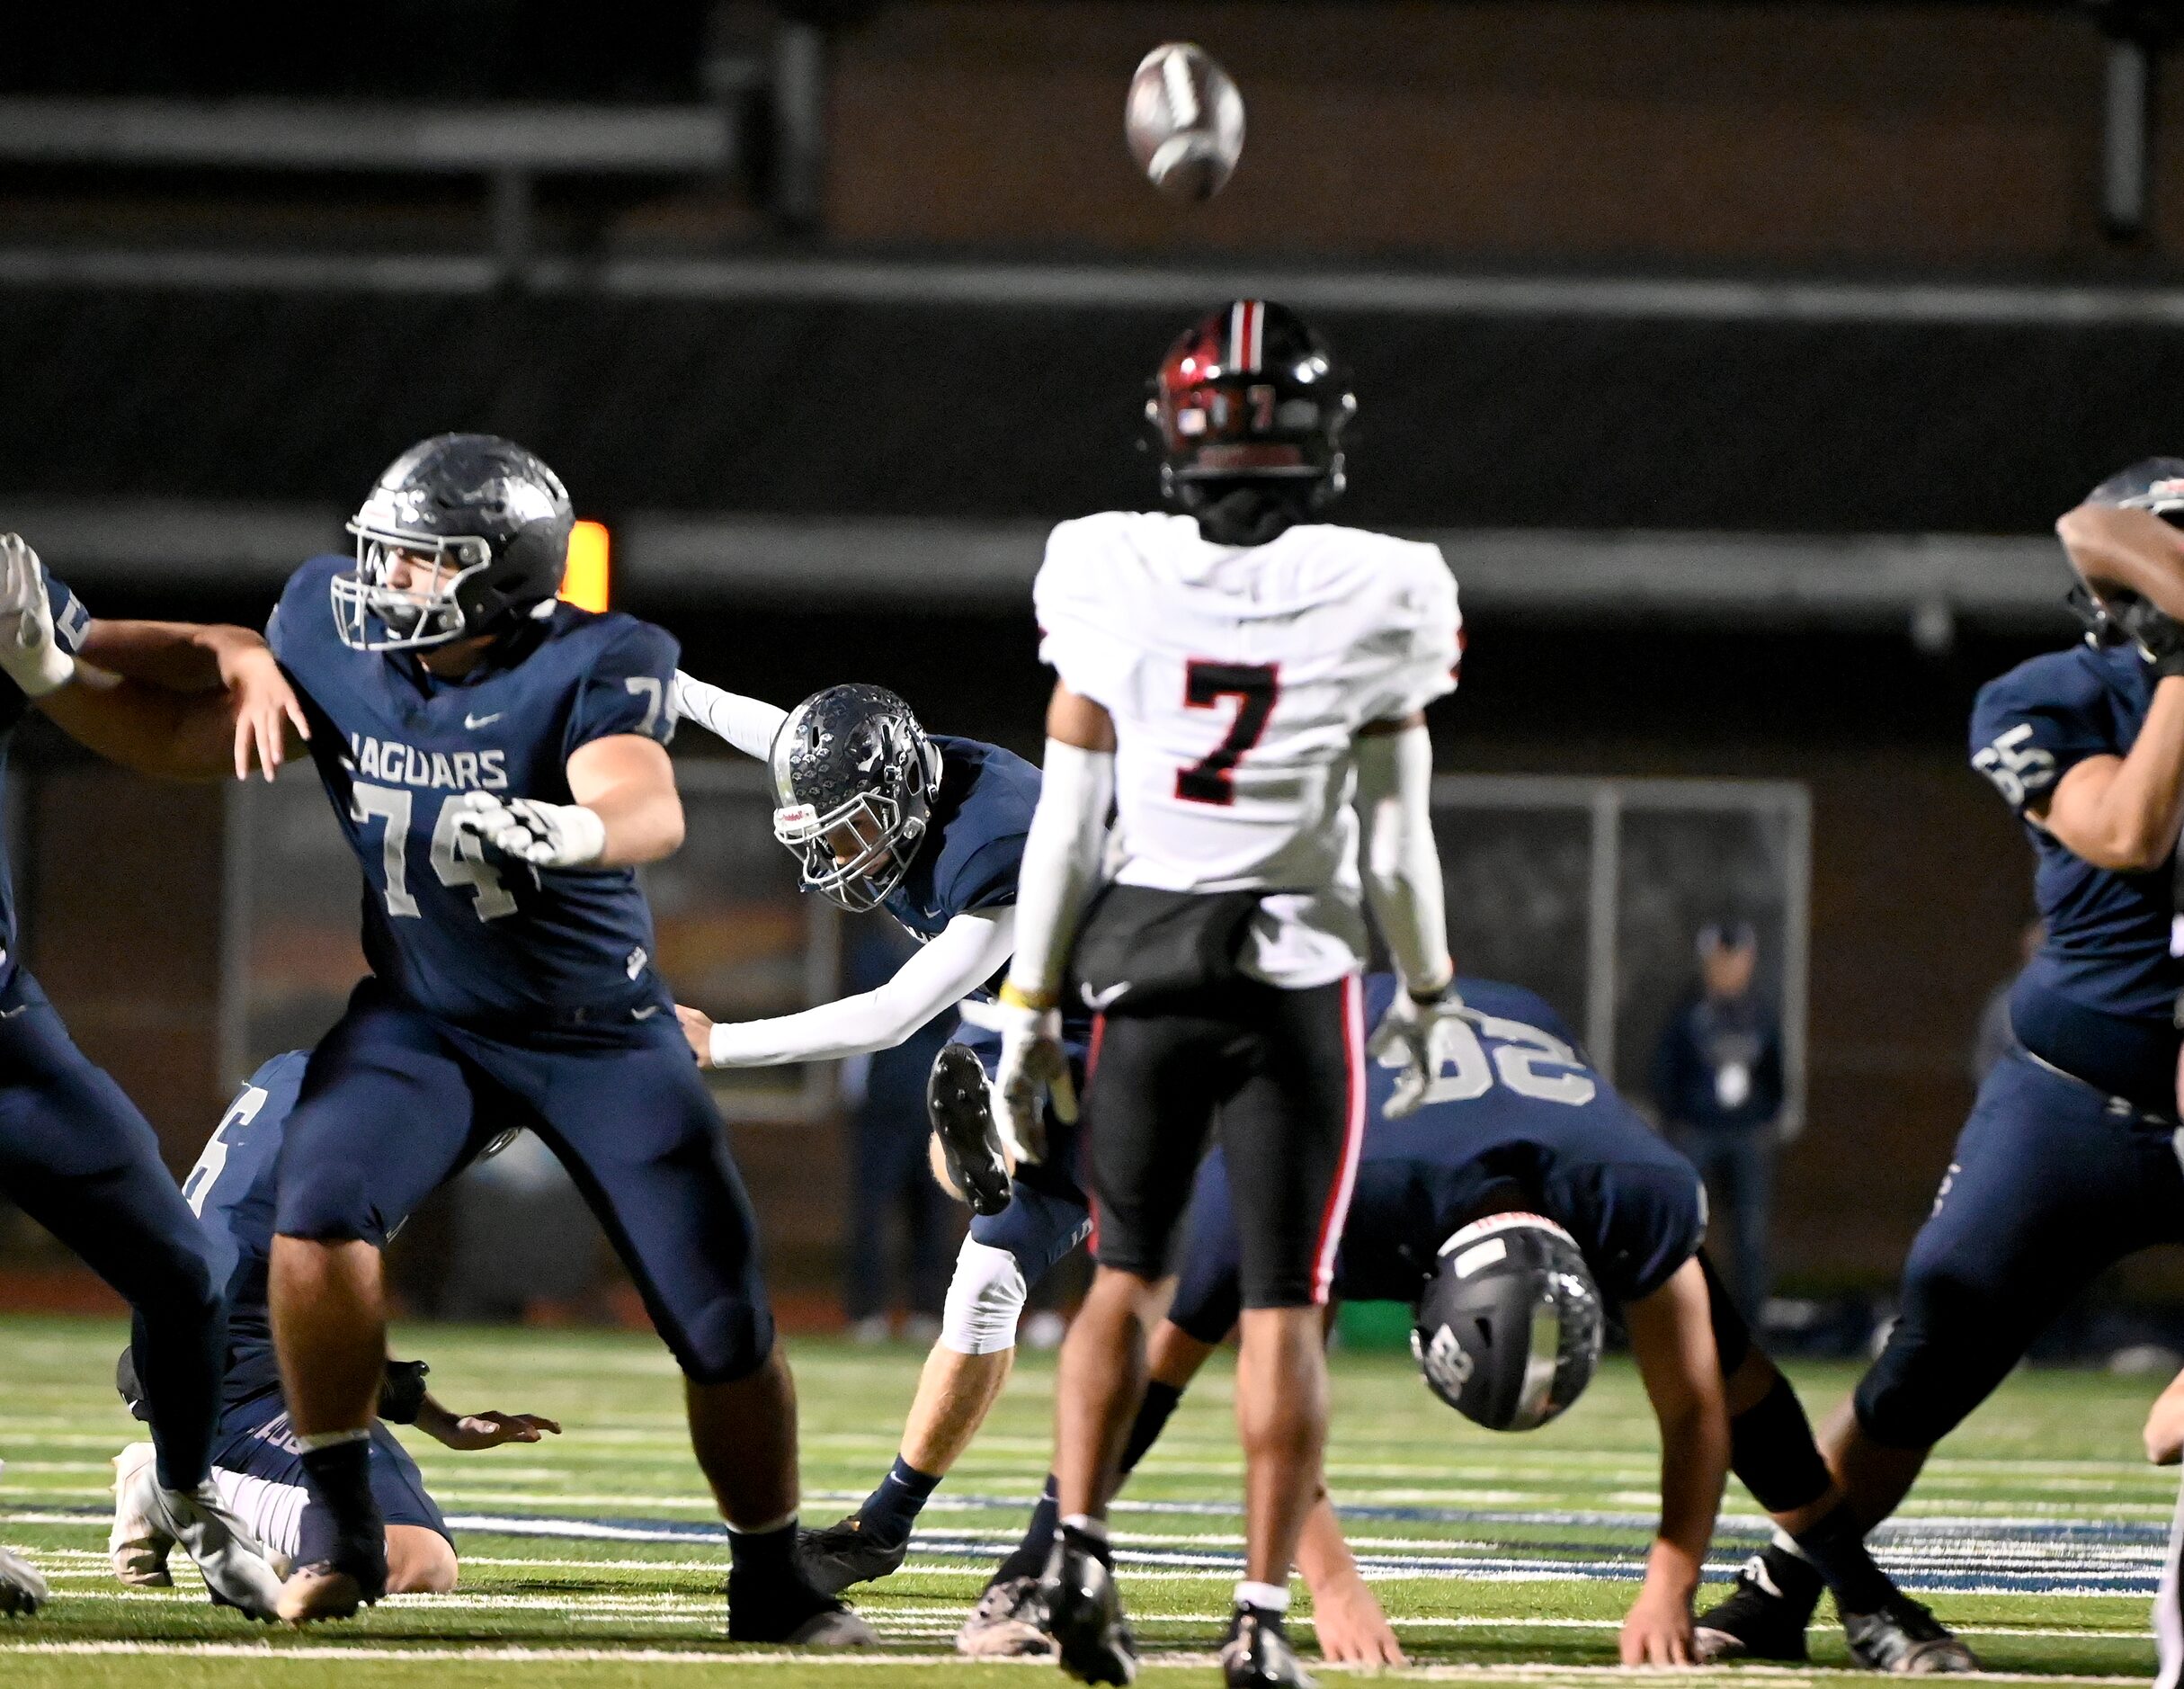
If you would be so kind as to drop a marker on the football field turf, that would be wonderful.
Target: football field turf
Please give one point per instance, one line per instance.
(596, 1560)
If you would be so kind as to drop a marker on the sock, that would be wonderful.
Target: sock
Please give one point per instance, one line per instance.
(889, 1510)
(1836, 1547)
(766, 1553)
(1263, 1597)
(338, 1474)
(1027, 1559)
(1153, 1413)
(1083, 1531)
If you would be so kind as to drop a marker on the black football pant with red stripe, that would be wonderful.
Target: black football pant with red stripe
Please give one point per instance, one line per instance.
(1277, 1077)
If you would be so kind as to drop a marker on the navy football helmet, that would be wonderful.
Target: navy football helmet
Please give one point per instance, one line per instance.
(462, 535)
(2110, 611)
(1249, 395)
(853, 782)
(1509, 1328)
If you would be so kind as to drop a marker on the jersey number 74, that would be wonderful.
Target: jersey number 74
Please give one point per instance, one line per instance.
(457, 858)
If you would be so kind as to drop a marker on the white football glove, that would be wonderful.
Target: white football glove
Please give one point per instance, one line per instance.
(29, 653)
(1416, 1037)
(535, 835)
(1033, 1066)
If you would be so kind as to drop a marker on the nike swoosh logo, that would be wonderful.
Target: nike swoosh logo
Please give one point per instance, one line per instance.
(475, 722)
(643, 1014)
(9, 1014)
(1097, 1001)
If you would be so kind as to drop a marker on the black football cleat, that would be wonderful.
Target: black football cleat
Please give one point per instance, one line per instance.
(847, 1553)
(1257, 1654)
(777, 1606)
(1081, 1608)
(961, 1110)
(1752, 1622)
(1904, 1638)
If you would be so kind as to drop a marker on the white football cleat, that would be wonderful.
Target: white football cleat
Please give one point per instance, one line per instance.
(238, 1571)
(1005, 1624)
(137, 1545)
(23, 1590)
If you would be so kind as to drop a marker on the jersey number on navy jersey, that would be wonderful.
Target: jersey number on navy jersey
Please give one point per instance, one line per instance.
(1522, 1056)
(2016, 769)
(1254, 686)
(213, 1158)
(458, 857)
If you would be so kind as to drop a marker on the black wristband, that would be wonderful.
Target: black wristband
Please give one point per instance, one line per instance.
(402, 1392)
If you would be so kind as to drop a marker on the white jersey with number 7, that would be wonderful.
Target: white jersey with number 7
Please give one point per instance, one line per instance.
(1238, 679)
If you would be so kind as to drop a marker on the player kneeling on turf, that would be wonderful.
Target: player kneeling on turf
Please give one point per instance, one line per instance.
(930, 830)
(257, 1463)
(1513, 1197)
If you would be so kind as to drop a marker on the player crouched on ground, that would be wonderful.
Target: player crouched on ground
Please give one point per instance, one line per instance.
(1514, 1199)
(929, 829)
(257, 1464)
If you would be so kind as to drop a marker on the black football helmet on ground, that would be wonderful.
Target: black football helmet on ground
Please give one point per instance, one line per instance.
(484, 523)
(1509, 1328)
(1249, 394)
(853, 780)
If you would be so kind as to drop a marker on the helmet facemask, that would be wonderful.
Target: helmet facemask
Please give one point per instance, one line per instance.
(373, 614)
(855, 852)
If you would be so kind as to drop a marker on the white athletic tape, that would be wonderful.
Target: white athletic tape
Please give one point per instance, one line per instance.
(985, 1298)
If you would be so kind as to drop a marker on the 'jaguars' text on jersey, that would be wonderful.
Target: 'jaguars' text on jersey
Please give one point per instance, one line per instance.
(452, 933)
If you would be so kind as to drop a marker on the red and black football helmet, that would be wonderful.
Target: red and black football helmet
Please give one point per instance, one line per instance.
(1250, 394)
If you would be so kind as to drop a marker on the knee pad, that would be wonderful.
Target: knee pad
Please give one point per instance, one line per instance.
(1915, 1393)
(1771, 1449)
(985, 1298)
(726, 1343)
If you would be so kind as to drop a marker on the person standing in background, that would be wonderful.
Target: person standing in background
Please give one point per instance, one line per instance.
(1717, 1078)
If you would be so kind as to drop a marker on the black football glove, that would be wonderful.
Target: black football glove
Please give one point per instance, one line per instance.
(402, 1391)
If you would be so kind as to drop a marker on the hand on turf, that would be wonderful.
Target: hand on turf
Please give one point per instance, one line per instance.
(1033, 1067)
(264, 706)
(29, 653)
(698, 1027)
(531, 833)
(1416, 1037)
(1352, 1629)
(1657, 1630)
(467, 1432)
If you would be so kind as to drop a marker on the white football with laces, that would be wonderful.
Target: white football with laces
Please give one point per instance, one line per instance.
(1184, 119)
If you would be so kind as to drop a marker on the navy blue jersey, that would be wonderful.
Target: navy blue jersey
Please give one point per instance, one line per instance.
(449, 934)
(70, 622)
(1514, 1119)
(974, 838)
(973, 844)
(2106, 951)
(231, 1189)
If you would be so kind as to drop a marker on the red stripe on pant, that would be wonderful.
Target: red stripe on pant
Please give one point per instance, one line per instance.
(1353, 1141)
(1092, 1064)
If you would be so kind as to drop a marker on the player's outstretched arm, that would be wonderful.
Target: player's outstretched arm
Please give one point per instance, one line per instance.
(173, 699)
(487, 1430)
(628, 782)
(1671, 1337)
(969, 951)
(749, 724)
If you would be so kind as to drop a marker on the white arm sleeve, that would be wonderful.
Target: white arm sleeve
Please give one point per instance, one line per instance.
(1061, 862)
(747, 723)
(969, 951)
(1403, 879)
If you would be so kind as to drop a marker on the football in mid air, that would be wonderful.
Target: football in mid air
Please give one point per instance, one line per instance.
(1184, 120)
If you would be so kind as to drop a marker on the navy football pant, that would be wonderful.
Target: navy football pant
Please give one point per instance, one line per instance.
(394, 1103)
(77, 1157)
(2051, 1183)
(259, 1470)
